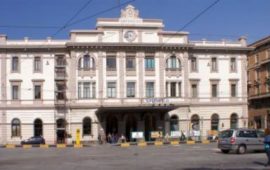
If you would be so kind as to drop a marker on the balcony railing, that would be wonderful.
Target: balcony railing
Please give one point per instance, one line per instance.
(173, 69)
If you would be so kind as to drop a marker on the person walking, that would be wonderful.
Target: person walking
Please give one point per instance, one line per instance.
(267, 145)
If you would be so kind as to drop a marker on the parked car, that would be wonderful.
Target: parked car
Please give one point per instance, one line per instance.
(241, 140)
(34, 140)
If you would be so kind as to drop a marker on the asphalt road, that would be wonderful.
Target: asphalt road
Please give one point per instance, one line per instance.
(186, 157)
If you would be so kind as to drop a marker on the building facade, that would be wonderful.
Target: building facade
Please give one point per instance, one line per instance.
(259, 84)
(127, 75)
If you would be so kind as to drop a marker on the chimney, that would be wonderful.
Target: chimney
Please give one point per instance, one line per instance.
(3, 38)
(243, 41)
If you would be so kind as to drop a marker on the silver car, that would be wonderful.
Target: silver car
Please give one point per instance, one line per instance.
(241, 140)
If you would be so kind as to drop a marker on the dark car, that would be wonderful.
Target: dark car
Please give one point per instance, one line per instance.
(34, 140)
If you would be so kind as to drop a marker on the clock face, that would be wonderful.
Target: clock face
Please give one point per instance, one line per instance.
(130, 36)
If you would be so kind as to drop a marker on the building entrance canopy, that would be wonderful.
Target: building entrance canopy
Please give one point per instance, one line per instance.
(123, 121)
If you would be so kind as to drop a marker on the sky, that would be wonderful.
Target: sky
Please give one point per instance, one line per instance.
(228, 19)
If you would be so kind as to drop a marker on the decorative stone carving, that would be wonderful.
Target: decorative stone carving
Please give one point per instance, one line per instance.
(129, 12)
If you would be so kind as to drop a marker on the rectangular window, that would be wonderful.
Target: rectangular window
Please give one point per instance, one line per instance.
(111, 63)
(86, 90)
(130, 63)
(111, 90)
(233, 65)
(194, 90)
(256, 58)
(257, 74)
(149, 89)
(60, 89)
(60, 61)
(214, 64)
(193, 64)
(214, 90)
(130, 89)
(149, 63)
(173, 89)
(37, 91)
(233, 90)
(15, 92)
(15, 64)
(37, 64)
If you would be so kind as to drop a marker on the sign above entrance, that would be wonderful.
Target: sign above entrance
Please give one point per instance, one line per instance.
(156, 100)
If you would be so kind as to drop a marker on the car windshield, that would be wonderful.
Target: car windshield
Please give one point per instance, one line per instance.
(226, 134)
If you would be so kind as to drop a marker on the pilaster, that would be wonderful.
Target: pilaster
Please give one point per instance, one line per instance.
(100, 75)
(186, 75)
(162, 74)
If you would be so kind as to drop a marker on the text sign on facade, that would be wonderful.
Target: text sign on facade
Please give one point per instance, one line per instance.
(156, 134)
(137, 135)
(175, 134)
(156, 100)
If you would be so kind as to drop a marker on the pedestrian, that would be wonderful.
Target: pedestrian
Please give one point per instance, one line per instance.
(109, 138)
(123, 139)
(99, 139)
(183, 137)
(267, 145)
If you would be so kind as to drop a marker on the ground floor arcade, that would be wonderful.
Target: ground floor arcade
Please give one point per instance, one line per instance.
(17, 125)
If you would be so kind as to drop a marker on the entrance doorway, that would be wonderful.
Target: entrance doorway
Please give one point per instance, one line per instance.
(149, 125)
(111, 125)
(60, 130)
(131, 126)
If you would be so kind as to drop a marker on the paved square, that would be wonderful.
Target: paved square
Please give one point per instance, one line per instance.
(186, 157)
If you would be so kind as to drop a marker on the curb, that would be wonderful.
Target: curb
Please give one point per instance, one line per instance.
(123, 145)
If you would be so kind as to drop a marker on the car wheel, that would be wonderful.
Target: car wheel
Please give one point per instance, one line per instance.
(225, 151)
(241, 149)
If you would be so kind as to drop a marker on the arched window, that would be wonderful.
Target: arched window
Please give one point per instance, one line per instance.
(174, 123)
(214, 122)
(87, 126)
(38, 127)
(86, 62)
(15, 128)
(234, 121)
(173, 63)
(195, 122)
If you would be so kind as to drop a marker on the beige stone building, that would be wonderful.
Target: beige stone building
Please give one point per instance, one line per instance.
(127, 75)
(259, 84)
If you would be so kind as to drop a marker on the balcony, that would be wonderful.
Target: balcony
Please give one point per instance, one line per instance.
(265, 61)
(173, 72)
(87, 72)
(257, 82)
(259, 96)
(60, 74)
(267, 80)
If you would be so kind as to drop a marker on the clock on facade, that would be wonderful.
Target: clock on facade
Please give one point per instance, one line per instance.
(130, 36)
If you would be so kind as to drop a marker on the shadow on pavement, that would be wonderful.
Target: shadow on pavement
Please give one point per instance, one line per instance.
(259, 163)
(219, 168)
